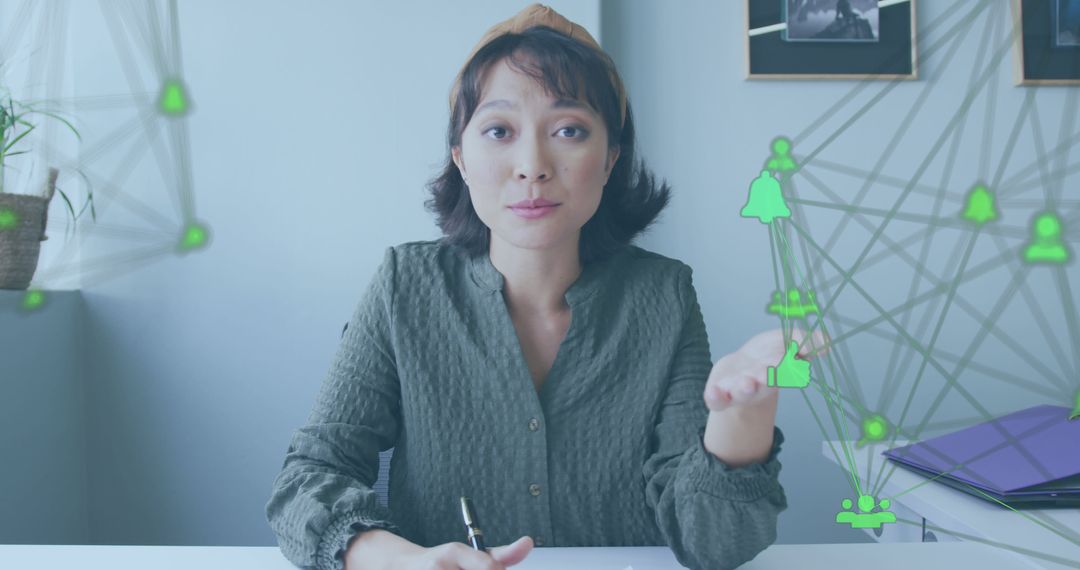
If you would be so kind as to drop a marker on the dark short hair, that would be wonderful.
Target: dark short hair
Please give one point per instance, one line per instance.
(631, 200)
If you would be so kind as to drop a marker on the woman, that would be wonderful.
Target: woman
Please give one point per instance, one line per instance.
(533, 359)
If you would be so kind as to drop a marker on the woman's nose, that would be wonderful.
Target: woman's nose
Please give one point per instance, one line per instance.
(532, 159)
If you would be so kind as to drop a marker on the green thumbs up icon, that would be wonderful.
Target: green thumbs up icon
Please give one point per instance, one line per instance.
(791, 372)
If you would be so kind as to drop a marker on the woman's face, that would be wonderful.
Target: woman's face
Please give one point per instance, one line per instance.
(522, 144)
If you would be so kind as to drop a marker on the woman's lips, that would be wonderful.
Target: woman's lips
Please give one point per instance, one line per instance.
(533, 213)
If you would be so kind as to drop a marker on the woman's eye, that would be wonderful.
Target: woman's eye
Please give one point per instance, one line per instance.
(574, 132)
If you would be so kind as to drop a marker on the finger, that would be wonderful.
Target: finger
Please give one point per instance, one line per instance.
(745, 391)
(514, 552)
(768, 347)
(814, 345)
(731, 390)
(761, 345)
(750, 364)
(717, 397)
(468, 558)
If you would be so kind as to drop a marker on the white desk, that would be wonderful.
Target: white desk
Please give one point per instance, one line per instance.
(897, 556)
(952, 510)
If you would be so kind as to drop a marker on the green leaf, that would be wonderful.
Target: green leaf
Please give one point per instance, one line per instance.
(17, 139)
(62, 120)
(93, 211)
(89, 194)
(70, 209)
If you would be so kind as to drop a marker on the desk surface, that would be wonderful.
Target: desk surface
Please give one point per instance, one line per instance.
(1045, 532)
(896, 556)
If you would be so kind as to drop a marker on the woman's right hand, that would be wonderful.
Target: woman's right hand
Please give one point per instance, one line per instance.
(460, 556)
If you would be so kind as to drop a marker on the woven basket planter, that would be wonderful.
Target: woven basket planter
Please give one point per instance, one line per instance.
(20, 245)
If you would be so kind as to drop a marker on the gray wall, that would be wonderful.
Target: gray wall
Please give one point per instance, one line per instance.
(707, 130)
(315, 129)
(314, 132)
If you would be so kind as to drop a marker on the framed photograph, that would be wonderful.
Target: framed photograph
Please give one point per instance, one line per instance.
(1067, 22)
(832, 21)
(830, 39)
(1048, 45)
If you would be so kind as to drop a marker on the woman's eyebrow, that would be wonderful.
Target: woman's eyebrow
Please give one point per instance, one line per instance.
(557, 104)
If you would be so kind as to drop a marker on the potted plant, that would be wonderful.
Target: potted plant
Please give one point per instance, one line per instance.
(23, 217)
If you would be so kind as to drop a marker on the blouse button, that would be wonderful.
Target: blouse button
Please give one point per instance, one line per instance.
(534, 424)
(539, 541)
(534, 489)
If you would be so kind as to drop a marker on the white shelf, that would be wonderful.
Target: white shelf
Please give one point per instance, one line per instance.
(953, 510)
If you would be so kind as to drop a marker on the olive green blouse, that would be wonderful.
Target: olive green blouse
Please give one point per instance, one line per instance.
(610, 452)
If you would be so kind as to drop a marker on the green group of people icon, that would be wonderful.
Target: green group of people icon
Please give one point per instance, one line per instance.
(781, 160)
(793, 307)
(865, 518)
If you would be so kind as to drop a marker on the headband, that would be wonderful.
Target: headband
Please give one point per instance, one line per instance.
(540, 15)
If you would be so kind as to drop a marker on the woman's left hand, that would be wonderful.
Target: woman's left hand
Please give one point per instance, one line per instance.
(740, 379)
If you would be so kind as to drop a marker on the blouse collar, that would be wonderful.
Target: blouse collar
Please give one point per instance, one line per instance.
(592, 278)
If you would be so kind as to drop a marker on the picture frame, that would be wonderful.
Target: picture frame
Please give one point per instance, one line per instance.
(771, 54)
(1047, 42)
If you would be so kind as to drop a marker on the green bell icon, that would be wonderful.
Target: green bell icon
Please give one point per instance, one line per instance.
(980, 205)
(766, 201)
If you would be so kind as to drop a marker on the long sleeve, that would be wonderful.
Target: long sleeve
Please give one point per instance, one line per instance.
(323, 495)
(713, 516)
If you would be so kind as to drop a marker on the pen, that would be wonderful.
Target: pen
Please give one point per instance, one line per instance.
(476, 536)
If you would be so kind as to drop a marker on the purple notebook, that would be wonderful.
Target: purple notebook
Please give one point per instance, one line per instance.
(1031, 452)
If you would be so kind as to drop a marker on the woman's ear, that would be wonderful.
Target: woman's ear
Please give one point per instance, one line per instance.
(455, 153)
(613, 155)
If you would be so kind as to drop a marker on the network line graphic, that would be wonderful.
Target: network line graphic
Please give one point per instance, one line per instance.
(940, 266)
(131, 108)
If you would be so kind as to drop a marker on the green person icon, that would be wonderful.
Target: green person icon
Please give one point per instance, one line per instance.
(781, 160)
(1047, 246)
(791, 372)
(766, 200)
